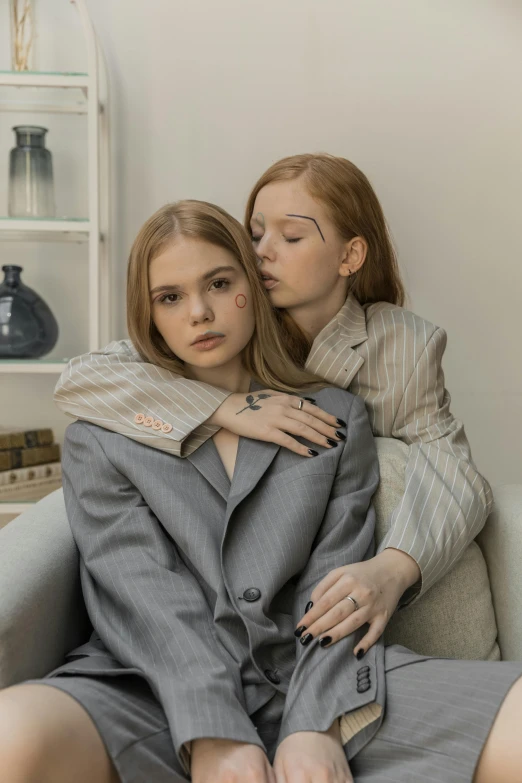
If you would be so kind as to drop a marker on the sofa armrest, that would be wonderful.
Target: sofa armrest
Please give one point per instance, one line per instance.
(42, 612)
(501, 544)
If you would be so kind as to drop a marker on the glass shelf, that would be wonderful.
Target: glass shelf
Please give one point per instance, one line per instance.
(34, 229)
(32, 365)
(43, 79)
(45, 73)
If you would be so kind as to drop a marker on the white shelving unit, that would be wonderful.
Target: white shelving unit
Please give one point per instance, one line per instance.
(94, 229)
(87, 93)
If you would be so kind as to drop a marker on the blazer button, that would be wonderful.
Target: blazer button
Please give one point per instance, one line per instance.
(363, 687)
(157, 424)
(167, 428)
(363, 670)
(252, 594)
(148, 421)
(139, 418)
(272, 676)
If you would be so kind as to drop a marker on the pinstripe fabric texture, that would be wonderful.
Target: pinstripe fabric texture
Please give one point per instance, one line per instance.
(438, 716)
(385, 354)
(168, 548)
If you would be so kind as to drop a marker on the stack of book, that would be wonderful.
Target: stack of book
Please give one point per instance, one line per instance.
(30, 464)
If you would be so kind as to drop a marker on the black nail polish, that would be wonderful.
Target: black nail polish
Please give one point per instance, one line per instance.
(331, 442)
(340, 434)
(306, 639)
(309, 606)
(313, 452)
(360, 654)
(341, 423)
(310, 399)
(300, 630)
(325, 640)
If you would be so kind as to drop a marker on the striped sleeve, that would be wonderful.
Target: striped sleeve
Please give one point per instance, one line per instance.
(446, 501)
(112, 386)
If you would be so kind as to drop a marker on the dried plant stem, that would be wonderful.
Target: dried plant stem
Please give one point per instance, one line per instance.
(22, 33)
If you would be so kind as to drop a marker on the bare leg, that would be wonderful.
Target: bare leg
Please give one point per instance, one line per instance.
(46, 736)
(501, 758)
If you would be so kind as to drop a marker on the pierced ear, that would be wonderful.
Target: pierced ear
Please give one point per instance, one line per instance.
(354, 256)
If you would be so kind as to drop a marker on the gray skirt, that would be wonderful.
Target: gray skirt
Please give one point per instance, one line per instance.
(437, 718)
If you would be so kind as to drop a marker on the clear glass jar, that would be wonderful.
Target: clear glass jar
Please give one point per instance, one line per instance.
(31, 186)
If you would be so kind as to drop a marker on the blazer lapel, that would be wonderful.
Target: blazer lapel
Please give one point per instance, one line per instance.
(332, 356)
(207, 461)
(252, 461)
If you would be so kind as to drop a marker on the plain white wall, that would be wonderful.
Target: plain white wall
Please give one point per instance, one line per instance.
(424, 97)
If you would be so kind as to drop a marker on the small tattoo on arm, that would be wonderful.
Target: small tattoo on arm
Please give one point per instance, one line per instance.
(250, 399)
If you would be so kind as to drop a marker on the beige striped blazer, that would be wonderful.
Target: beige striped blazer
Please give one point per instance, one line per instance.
(386, 354)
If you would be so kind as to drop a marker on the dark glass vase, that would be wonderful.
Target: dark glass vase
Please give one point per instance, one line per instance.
(28, 329)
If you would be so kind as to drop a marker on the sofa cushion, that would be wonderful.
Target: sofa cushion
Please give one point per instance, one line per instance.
(455, 618)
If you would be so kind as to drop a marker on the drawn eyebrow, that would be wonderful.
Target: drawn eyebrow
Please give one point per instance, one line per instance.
(216, 271)
(310, 218)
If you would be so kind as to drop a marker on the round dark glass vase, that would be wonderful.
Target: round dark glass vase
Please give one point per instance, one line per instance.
(28, 329)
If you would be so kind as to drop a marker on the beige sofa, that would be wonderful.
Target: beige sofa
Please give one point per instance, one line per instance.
(42, 614)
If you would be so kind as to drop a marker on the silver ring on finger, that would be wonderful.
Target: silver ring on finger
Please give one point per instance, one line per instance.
(354, 602)
(300, 404)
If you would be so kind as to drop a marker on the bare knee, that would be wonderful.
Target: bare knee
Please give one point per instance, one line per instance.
(19, 746)
(44, 734)
(501, 758)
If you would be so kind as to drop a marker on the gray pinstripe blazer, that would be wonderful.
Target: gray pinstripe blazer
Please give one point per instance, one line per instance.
(389, 356)
(169, 549)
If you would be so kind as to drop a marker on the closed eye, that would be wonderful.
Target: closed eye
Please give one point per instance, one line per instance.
(291, 240)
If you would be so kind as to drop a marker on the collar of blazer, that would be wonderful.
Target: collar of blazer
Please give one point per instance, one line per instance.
(252, 461)
(332, 355)
(333, 358)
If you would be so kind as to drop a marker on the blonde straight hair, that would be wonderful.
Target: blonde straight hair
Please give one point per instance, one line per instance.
(354, 209)
(265, 357)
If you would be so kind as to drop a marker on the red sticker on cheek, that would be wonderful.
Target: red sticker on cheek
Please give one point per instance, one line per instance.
(241, 300)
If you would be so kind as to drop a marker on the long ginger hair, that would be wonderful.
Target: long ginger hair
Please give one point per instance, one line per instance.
(354, 209)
